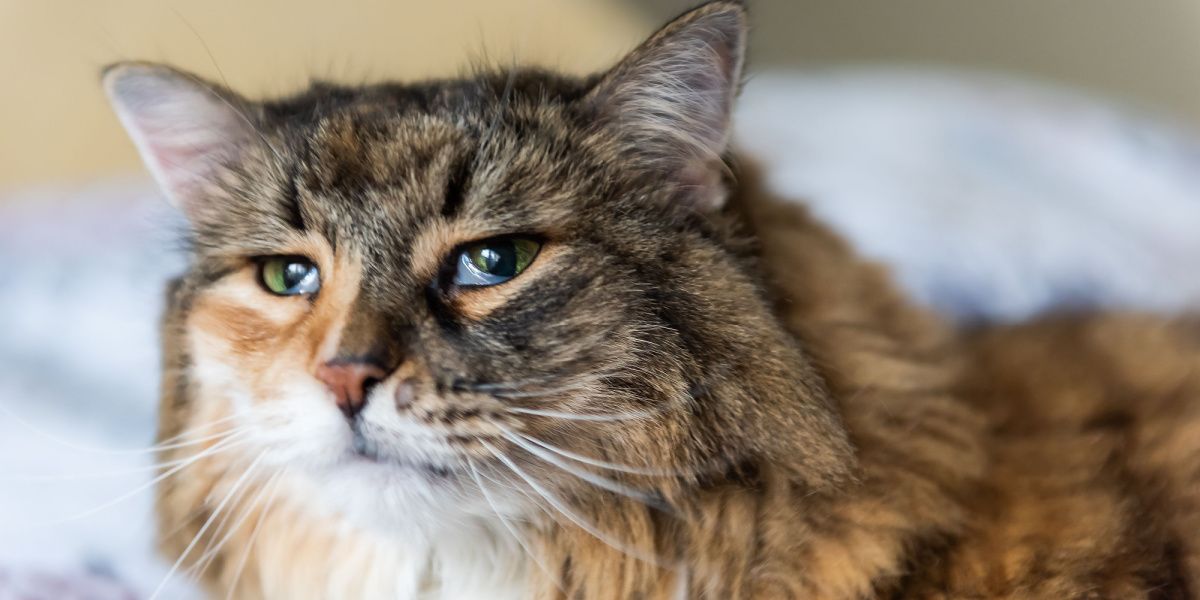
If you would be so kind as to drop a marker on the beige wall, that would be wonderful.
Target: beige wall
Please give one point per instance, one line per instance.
(54, 123)
(1146, 52)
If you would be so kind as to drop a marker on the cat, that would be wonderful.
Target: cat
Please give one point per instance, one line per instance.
(528, 335)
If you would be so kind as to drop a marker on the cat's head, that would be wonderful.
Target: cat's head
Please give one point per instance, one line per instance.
(515, 280)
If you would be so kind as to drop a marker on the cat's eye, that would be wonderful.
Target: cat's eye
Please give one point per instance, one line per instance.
(289, 275)
(494, 261)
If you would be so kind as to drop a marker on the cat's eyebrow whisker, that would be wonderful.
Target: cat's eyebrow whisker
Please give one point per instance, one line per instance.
(595, 462)
(208, 523)
(512, 530)
(571, 515)
(486, 139)
(592, 478)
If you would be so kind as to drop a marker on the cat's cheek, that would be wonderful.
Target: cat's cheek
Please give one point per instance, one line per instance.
(240, 311)
(242, 335)
(286, 416)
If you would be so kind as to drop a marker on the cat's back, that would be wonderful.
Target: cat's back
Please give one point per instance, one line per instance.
(1093, 490)
(1091, 483)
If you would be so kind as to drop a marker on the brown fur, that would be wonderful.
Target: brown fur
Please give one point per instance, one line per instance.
(811, 434)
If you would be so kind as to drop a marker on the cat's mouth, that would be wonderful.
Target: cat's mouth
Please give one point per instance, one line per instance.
(365, 449)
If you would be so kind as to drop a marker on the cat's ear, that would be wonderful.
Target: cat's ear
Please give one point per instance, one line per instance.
(186, 129)
(672, 97)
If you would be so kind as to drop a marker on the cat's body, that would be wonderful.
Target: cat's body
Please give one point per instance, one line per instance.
(672, 386)
(1053, 459)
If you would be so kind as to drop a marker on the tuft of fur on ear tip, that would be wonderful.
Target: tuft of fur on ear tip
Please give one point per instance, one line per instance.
(672, 97)
(184, 128)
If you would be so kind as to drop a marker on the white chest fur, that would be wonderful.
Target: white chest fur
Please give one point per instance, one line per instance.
(302, 554)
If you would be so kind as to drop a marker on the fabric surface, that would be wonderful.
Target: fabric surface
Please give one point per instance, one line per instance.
(989, 198)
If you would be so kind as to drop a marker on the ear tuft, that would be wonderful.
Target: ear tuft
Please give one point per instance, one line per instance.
(185, 129)
(672, 97)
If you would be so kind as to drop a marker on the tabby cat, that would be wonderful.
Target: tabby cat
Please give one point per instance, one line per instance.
(526, 335)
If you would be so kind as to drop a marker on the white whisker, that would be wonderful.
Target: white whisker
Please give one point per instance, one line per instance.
(570, 514)
(207, 523)
(210, 555)
(88, 449)
(220, 446)
(102, 474)
(189, 432)
(554, 414)
(592, 478)
(587, 460)
(241, 566)
(508, 526)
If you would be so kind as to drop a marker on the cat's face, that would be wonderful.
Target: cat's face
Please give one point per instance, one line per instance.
(417, 295)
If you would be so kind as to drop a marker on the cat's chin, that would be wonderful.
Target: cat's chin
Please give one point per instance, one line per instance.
(371, 495)
(399, 496)
(435, 473)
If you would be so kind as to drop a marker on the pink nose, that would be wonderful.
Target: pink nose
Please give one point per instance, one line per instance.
(350, 382)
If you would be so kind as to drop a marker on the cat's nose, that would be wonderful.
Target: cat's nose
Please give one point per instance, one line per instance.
(350, 382)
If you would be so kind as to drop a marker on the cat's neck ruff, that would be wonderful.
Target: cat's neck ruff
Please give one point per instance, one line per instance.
(305, 551)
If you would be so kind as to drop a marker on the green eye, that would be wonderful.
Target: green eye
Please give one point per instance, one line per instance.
(289, 275)
(495, 261)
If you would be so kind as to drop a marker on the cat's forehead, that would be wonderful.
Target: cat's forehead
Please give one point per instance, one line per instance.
(404, 156)
(349, 153)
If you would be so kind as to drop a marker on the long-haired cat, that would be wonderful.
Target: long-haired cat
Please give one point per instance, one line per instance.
(525, 335)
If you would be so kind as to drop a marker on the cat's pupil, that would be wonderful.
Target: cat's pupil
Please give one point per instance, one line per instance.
(497, 258)
(294, 273)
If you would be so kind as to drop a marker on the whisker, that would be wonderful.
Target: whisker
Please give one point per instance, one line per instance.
(207, 523)
(522, 385)
(500, 386)
(236, 109)
(88, 449)
(587, 460)
(592, 478)
(571, 515)
(262, 516)
(510, 528)
(553, 414)
(486, 139)
(218, 447)
(196, 569)
(537, 501)
(73, 477)
(210, 555)
(515, 395)
(187, 432)
(197, 441)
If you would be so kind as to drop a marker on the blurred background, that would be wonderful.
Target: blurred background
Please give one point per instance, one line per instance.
(55, 124)
(1002, 157)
